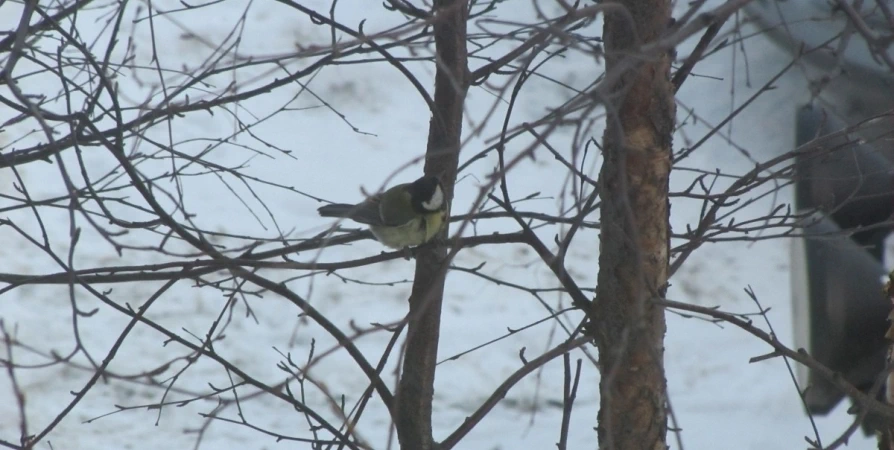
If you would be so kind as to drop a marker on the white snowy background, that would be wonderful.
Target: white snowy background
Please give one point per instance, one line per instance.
(718, 398)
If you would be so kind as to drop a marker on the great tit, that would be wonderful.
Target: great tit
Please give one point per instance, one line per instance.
(404, 215)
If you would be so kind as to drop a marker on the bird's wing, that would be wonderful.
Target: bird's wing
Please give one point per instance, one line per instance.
(398, 210)
(372, 212)
(367, 212)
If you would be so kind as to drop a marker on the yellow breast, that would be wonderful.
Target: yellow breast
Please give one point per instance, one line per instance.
(415, 232)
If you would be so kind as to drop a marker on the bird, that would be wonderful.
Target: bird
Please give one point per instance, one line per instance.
(404, 215)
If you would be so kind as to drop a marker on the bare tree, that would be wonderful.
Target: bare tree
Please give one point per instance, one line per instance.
(442, 159)
(635, 234)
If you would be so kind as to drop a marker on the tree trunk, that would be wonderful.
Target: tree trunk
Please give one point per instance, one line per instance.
(414, 400)
(633, 260)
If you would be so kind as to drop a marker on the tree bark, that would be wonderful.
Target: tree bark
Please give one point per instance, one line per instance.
(416, 389)
(633, 260)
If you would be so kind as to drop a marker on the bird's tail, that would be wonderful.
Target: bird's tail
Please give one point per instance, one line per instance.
(337, 210)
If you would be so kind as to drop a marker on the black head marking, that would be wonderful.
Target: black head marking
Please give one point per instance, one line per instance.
(427, 194)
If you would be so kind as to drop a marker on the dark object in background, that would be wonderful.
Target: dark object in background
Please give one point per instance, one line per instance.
(839, 307)
(852, 184)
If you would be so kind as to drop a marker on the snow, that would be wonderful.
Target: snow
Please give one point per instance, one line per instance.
(718, 397)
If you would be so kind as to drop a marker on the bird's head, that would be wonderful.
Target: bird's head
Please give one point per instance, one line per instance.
(427, 194)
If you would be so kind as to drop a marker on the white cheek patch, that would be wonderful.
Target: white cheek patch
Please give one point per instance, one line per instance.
(436, 201)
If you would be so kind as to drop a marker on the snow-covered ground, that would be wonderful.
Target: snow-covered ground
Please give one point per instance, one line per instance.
(718, 398)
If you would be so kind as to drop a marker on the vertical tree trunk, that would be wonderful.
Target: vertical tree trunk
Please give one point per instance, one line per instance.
(442, 156)
(634, 235)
